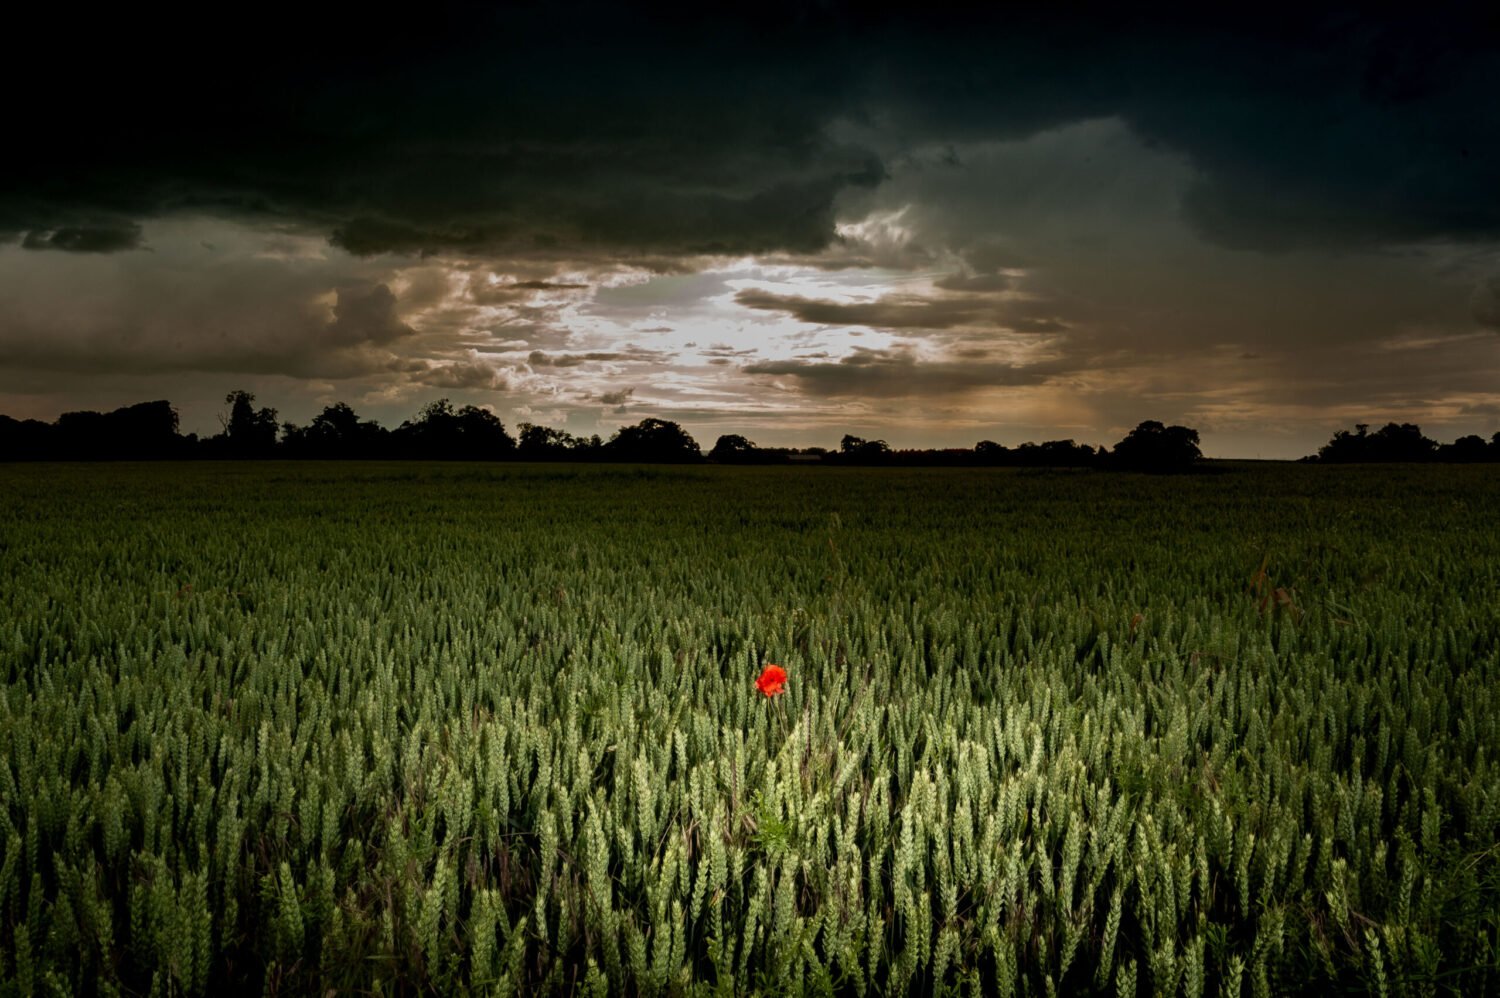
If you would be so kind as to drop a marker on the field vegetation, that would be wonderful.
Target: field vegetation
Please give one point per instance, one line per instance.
(408, 729)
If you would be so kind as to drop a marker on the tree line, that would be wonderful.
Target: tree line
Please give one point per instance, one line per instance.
(442, 431)
(1403, 442)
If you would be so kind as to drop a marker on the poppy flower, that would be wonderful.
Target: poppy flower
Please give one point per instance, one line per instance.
(772, 680)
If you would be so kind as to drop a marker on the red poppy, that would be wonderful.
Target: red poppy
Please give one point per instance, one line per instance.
(772, 680)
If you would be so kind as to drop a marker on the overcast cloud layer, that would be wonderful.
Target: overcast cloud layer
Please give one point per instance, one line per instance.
(929, 226)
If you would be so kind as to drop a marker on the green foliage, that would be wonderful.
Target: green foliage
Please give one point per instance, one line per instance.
(493, 728)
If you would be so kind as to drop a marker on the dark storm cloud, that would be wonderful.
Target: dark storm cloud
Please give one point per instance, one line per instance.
(540, 358)
(724, 351)
(365, 315)
(910, 311)
(617, 398)
(103, 238)
(890, 312)
(1485, 303)
(471, 374)
(548, 286)
(616, 129)
(1307, 128)
(366, 235)
(256, 307)
(470, 129)
(983, 283)
(1028, 324)
(898, 373)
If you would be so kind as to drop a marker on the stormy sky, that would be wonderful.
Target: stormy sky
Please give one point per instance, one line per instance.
(793, 221)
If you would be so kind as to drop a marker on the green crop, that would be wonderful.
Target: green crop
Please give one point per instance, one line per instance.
(495, 728)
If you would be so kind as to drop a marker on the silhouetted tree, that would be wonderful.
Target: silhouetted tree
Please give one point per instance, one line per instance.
(80, 435)
(1070, 454)
(144, 431)
(1346, 447)
(858, 450)
(483, 433)
(442, 432)
(1392, 442)
(336, 432)
(543, 443)
(1402, 442)
(1465, 450)
(1154, 447)
(987, 452)
(26, 440)
(248, 432)
(433, 432)
(732, 448)
(653, 440)
(942, 457)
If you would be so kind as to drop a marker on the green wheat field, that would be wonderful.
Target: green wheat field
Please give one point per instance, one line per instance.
(439, 729)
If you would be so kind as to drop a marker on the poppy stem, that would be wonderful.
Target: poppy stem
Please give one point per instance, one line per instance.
(781, 719)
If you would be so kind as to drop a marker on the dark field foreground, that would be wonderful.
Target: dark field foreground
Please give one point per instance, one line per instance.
(432, 729)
